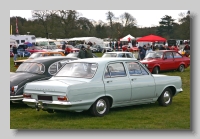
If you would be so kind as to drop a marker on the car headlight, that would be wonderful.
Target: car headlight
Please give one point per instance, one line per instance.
(146, 65)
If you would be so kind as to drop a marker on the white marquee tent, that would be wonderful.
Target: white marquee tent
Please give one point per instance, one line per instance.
(87, 39)
(126, 38)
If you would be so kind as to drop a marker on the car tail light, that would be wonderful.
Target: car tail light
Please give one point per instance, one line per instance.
(27, 95)
(62, 98)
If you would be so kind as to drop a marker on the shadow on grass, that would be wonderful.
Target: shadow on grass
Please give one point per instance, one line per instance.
(18, 105)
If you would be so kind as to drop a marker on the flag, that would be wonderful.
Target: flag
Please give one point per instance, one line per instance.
(17, 32)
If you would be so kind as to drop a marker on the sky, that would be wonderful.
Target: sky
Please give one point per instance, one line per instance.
(144, 18)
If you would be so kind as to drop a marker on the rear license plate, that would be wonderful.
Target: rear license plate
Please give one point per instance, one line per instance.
(49, 98)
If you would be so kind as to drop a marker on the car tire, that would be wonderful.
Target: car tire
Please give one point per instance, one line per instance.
(181, 68)
(100, 107)
(165, 98)
(155, 70)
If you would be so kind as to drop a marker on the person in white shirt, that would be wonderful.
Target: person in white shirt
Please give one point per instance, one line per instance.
(148, 50)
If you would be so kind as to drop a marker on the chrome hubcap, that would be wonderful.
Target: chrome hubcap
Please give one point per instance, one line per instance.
(167, 98)
(101, 106)
(181, 68)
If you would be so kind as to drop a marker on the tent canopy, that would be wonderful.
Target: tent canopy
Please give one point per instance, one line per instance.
(127, 37)
(87, 39)
(151, 38)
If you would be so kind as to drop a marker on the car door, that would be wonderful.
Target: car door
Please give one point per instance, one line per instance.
(143, 84)
(117, 83)
(178, 58)
(168, 61)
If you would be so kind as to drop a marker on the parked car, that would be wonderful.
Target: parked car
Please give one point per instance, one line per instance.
(98, 84)
(22, 53)
(118, 54)
(102, 48)
(164, 60)
(38, 54)
(94, 50)
(131, 49)
(53, 48)
(34, 49)
(71, 49)
(76, 55)
(34, 70)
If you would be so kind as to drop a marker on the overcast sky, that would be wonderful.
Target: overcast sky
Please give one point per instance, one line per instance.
(144, 18)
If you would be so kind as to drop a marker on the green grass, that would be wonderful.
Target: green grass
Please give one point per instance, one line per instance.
(139, 117)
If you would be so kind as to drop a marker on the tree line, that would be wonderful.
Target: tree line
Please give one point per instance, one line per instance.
(68, 24)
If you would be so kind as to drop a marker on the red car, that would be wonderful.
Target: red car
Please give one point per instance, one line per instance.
(34, 49)
(11, 54)
(71, 49)
(164, 60)
(132, 49)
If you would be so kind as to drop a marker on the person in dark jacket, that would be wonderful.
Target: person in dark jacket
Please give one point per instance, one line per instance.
(64, 46)
(141, 53)
(88, 52)
(81, 53)
(14, 52)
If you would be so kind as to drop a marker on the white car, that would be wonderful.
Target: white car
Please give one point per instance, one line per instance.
(119, 54)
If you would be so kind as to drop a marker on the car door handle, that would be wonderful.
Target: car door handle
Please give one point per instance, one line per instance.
(109, 81)
(133, 79)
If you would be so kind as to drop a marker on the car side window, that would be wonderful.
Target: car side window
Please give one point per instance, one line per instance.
(53, 68)
(115, 70)
(177, 55)
(129, 55)
(168, 55)
(136, 69)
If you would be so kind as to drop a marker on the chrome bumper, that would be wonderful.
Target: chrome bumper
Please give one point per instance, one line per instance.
(44, 105)
(16, 98)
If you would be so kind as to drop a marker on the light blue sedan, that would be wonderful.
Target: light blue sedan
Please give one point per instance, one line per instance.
(98, 84)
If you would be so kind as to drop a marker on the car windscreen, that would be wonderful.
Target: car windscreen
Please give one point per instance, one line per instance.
(109, 55)
(78, 70)
(154, 55)
(37, 68)
(35, 55)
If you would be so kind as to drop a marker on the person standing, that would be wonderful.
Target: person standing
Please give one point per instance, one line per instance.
(88, 52)
(141, 53)
(64, 46)
(81, 53)
(15, 52)
(148, 50)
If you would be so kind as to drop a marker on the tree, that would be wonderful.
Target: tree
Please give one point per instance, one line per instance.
(166, 26)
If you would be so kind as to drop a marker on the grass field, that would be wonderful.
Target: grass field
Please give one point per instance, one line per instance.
(140, 117)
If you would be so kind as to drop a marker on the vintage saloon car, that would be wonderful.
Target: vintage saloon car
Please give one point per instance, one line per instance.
(34, 70)
(164, 60)
(98, 84)
(38, 54)
(118, 54)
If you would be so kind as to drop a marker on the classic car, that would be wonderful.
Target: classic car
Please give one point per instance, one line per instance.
(131, 49)
(53, 48)
(34, 49)
(71, 49)
(38, 54)
(94, 50)
(118, 54)
(34, 70)
(76, 55)
(164, 60)
(102, 48)
(98, 84)
(23, 53)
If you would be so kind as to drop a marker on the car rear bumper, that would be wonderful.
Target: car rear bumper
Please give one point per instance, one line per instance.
(45, 105)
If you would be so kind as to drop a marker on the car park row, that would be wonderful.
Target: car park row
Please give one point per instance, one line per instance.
(70, 84)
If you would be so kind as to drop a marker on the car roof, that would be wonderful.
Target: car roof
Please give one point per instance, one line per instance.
(49, 58)
(104, 60)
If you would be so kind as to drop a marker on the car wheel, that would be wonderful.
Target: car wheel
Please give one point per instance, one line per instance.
(155, 70)
(100, 107)
(181, 68)
(165, 98)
